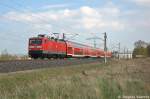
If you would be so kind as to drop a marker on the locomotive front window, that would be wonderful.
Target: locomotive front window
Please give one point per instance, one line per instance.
(36, 41)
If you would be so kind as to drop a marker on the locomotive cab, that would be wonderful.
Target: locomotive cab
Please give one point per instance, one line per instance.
(36, 46)
(46, 47)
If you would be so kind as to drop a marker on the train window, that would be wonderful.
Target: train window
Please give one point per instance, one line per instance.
(36, 41)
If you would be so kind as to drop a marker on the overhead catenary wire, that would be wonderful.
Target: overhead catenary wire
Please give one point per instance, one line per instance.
(15, 38)
(38, 17)
(10, 7)
(70, 29)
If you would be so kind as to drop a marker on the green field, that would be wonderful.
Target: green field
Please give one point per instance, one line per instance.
(89, 81)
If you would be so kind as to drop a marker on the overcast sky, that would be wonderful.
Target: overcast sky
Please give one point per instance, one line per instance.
(125, 21)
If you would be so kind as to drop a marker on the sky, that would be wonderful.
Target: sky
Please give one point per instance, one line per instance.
(124, 21)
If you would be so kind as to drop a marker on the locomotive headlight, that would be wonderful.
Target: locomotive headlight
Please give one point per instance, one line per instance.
(31, 46)
(38, 46)
(35, 46)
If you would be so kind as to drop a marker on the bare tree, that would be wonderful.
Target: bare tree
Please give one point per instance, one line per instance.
(140, 44)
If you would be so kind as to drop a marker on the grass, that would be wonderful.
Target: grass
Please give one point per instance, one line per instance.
(110, 89)
(92, 81)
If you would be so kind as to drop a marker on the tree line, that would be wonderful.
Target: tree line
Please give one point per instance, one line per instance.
(141, 49)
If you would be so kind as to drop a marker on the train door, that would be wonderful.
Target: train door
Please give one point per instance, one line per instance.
(69, 51)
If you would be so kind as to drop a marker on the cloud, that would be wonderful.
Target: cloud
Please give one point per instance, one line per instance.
(55, 6)
(15, 16)
(98, 18)
(88, 11)
(85, 18)
(142, 2)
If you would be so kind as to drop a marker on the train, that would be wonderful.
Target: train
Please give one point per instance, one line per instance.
(43, 46)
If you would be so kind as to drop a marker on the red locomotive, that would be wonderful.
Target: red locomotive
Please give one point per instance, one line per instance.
(50, 47)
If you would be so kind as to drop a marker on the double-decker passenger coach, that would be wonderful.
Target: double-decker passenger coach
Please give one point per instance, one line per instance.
(44, 46)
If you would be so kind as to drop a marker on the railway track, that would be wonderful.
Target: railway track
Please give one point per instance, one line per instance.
(22, 65)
